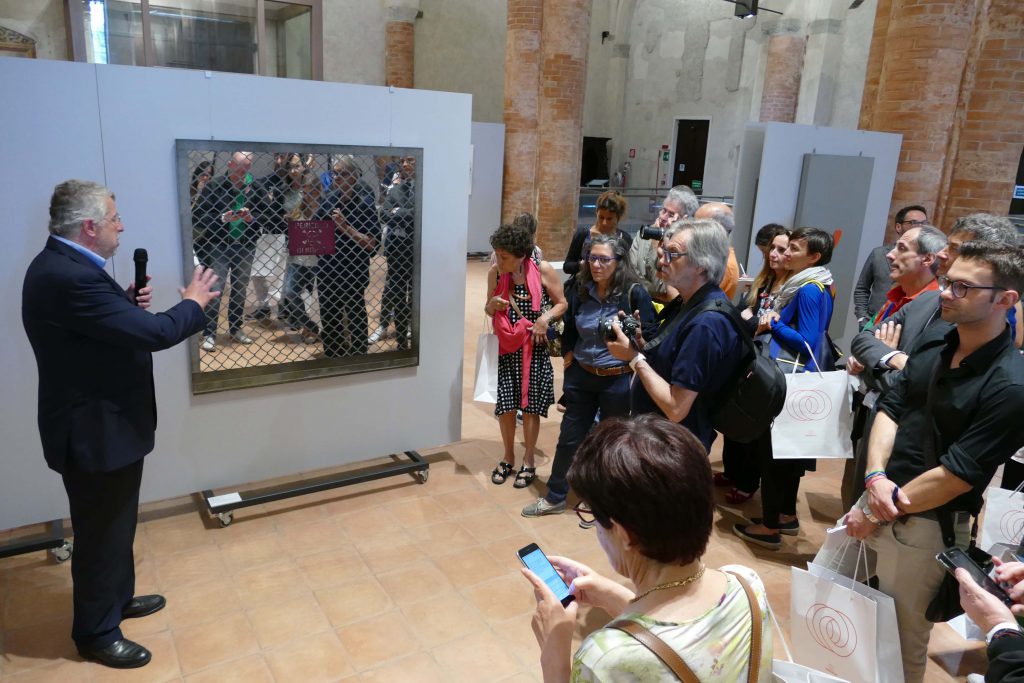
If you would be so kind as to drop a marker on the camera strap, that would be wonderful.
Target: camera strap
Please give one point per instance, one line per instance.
(687, 311)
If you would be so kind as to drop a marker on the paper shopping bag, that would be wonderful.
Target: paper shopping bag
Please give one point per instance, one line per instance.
(485, 389)
(817, 418)
(841, 554)
(791, 672)
(1003, 519)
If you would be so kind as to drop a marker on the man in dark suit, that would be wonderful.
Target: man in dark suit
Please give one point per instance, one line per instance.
(875, 281)
(97, 407)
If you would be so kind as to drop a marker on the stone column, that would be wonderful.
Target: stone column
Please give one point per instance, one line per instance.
(786, 44)
(990, 135)
(399, 42)
(522, 107)
(565, 38)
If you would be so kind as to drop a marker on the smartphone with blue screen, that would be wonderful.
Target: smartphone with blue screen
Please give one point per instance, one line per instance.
(538, 563)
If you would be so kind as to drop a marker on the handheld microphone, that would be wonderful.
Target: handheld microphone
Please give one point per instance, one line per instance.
(141, 257)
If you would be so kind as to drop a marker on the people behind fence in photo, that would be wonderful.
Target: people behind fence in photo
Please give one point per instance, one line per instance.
(643, 481)
(398, 213)
(345, 275)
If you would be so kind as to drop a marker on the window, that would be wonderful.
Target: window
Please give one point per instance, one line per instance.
(267, 37)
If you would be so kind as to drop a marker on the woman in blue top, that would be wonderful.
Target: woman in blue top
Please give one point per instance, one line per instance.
(594, 379)
(799, 322)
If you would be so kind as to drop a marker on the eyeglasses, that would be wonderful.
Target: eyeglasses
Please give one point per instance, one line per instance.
(959, 288)
(116, 218)
(602, 260)
(914, 224)
(584, 512)
(670, 255)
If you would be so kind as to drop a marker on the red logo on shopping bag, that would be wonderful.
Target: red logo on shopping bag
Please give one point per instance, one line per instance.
(832, 629)
(310, 238)
(808, 405)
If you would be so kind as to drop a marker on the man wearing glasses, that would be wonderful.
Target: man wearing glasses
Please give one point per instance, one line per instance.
(956, 403)
(93, 343)
(694, 355)
(875, 282)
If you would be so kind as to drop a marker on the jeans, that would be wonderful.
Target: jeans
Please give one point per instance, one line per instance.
(297, 279)
(232, 261)
(342, 284)
(585, 394)
(396, 302)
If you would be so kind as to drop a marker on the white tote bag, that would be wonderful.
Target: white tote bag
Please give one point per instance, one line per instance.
(485, 389)
(842, 553)
(788, 671)
(843, 627)
(817, 418)
(1003, 520)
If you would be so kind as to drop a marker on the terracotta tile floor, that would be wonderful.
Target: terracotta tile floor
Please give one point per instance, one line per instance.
(386, 581)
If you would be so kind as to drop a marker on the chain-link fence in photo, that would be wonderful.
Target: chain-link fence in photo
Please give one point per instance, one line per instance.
(316, 251)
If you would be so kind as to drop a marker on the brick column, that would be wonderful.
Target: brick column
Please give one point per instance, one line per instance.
(522, 107)
(786, 44)
(991, 135)
(919, 90)
(876, 57)
(399, 41)
(565, 38)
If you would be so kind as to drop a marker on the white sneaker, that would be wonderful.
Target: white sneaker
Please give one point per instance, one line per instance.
(377, 335)
(241, 337)
(209, 343)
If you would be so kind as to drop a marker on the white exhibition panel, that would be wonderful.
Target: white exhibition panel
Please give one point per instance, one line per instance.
(777, 184)
(485, 197)
(118, 125)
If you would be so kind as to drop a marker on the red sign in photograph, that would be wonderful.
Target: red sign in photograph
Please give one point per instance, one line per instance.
(310, 238)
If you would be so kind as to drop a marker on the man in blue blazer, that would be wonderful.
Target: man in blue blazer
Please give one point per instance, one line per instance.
(97, 406)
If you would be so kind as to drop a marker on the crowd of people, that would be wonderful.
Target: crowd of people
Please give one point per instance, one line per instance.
(940, 380)
(241, 229)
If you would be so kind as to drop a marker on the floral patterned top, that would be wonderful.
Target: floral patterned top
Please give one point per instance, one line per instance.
(715, 645)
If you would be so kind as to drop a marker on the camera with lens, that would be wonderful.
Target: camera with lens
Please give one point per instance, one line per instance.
(629, 327)
(650, 232)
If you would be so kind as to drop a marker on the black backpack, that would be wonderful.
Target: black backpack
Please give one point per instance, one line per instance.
(751, 399)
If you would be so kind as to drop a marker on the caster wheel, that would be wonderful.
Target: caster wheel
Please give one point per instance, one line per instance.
(62, 553)
(225, 518)
(423, 475)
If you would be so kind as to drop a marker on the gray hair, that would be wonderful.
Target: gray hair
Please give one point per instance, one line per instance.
(684, 196)
(75, 201)
(723, 216)
(707, 246)
(986, 227)
(930, 240)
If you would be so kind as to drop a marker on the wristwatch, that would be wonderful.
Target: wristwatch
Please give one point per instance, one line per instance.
(636, 359)
(866, 509)
(1006, 629)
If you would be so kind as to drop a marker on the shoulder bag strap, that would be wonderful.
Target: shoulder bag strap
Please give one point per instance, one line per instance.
(659, 647)
(754, 669)
(682, 315)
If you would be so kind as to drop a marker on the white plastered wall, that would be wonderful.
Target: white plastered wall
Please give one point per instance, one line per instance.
(118, 125)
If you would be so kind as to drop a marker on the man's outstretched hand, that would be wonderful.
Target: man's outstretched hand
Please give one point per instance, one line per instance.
(201, 289)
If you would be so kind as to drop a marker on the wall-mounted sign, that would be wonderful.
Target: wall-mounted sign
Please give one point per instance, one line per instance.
(697, 184)
(1018, 191)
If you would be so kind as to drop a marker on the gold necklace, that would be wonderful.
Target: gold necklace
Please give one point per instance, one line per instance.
(673, 584)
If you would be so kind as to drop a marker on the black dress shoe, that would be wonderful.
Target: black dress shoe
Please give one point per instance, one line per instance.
(121, 654)
(143, 606)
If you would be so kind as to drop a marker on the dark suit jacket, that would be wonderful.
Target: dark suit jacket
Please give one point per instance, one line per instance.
(97, 407)
(914, 317)
(873, 284)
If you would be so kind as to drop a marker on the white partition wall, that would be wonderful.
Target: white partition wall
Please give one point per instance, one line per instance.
(117, 125)
(485, 199)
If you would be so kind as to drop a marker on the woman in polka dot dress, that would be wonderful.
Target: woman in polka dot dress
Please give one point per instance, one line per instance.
(520, 291)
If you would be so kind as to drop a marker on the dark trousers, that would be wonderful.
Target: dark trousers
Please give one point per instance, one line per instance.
(780, 482)
(232, 262)
(740, 462)
(396, 302)
(104, 512)
(585, 394)
(297, 280)
(342, 291)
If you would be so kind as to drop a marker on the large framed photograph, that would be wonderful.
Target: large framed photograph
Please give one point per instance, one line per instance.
(318, 252)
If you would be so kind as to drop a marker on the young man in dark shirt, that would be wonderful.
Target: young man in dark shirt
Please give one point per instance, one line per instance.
(970, 421)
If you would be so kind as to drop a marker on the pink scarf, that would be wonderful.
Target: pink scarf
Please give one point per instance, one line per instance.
(513, 337)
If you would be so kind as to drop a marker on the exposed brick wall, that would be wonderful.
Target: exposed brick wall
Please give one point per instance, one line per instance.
(876, 58)
(398, 53)
(991, 136)
(565, 38)
(782, 78)
(919, 89)
(522, 107)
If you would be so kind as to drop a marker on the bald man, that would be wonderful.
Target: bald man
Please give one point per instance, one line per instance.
(722, 214)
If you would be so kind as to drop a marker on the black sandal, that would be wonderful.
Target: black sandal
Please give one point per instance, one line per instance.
(525, 477)
(502, 472)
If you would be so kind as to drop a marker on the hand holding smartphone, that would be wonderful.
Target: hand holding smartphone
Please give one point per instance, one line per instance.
(534, 559)
(955, 558)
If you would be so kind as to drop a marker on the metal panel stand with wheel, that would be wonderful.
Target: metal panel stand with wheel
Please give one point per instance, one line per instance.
(224, 504)
(53, 540)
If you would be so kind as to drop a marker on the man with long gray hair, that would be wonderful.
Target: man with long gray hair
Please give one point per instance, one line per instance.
(93, 343)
